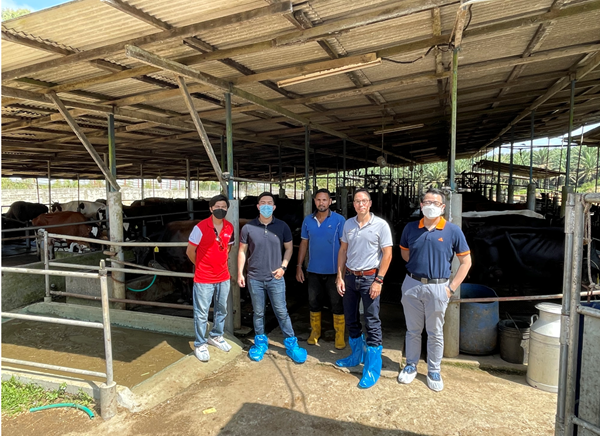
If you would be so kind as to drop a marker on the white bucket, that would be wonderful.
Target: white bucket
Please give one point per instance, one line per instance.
(544, 348)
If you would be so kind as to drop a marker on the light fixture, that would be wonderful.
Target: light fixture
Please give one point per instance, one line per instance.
(398, 129)
(328, 73)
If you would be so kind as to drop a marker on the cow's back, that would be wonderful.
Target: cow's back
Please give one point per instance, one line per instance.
(25, 211)
(69, 219)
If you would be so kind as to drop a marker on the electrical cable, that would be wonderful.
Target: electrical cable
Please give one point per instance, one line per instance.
(449, 47)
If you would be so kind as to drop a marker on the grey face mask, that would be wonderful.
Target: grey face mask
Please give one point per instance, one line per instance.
(219, 213)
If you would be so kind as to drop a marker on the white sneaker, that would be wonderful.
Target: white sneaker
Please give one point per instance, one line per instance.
(202, 353)
(408, 374)
(219, 342)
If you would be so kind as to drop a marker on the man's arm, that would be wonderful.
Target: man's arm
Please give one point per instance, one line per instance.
(342, 256)
(405, 253)
(287, 255)
(241, 263)
(461, 274)
(375, 290)
(301, 255)
(191, 252)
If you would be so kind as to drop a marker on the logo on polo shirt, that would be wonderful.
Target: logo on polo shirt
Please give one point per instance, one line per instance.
(441, 239)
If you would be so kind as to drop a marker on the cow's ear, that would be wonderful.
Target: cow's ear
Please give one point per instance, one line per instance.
(81, 206)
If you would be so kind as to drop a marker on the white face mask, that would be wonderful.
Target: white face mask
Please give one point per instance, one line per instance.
(431, 211)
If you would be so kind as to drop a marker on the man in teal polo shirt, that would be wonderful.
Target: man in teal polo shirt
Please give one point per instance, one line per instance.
(321, 234)
(428, 247)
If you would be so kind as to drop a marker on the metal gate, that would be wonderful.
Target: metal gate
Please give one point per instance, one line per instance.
(578, 402)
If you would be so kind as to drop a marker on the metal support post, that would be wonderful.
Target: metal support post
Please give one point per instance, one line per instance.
(229, 133)
(307, 192)
(49, 186)
(115, 213)
(511, 188)
(452, 317)
(234, 308)
(295, 183)
(571, 110)
(531, 147)
(112, 150)
(142, 180)
(573, 325)
(47, 298)
(565, 314)
(452, 160)
(78, 200)
(108, 390)
(499, 186)
(531, 196)
(188, 186)
(281, 188)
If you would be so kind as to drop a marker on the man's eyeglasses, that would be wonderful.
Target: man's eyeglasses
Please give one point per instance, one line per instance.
(435, 203)
(361, 201)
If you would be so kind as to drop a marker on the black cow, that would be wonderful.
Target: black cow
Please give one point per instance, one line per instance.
(25, 211)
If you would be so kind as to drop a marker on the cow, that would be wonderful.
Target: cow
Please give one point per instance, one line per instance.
(70, 227)
(89, 209)
(24, 211)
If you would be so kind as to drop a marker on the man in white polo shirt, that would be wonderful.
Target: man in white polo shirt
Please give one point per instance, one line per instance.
(364, 257)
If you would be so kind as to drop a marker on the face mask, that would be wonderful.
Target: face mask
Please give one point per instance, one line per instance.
(432, 211)
(266, 210)
(219, 213)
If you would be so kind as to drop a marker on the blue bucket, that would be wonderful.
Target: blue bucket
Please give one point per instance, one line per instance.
(478, 321)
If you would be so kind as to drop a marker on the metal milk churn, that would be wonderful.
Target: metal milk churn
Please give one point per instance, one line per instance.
(544, 348)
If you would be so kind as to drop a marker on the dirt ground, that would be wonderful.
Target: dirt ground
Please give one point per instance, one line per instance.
(278, 397)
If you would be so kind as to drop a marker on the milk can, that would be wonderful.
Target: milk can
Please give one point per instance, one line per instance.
(544, 348)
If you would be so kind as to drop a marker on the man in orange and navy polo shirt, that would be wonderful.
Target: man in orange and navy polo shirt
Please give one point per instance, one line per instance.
(208, 249)
(428, 247)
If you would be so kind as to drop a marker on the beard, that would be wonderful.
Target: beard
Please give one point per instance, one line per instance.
(322, 208)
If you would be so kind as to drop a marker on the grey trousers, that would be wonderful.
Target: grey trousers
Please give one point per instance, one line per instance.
(424, 306)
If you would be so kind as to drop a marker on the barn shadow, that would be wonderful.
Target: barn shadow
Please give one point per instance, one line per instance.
(267, 420)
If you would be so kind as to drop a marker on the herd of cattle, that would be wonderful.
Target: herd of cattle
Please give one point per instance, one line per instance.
(516, 252)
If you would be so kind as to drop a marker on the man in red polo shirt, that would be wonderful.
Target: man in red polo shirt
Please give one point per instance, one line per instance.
(208, 249)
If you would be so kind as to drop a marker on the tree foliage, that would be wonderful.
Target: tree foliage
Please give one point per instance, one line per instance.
(9, 13)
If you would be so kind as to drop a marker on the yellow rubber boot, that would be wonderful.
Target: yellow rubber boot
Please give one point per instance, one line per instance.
(315, 324)
(339, 324)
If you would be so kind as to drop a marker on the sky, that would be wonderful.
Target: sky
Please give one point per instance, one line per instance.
(33, 5)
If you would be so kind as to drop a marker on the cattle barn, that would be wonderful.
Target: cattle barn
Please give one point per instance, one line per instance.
(289, 92)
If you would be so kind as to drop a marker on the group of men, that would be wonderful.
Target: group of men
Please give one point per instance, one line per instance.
(348, 261)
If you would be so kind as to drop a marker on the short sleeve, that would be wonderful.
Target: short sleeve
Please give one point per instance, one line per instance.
(304, 233)
(340, 230)
(195, 236)
(460, 246)
(386, 236)
(232, 239)
(345, 231)
(404, 238)
(244, 235)
(287, 233)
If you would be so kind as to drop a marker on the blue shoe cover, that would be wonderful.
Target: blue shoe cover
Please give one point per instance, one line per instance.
(372, 369)
(292, 349)
(258, 350)
(356, 357)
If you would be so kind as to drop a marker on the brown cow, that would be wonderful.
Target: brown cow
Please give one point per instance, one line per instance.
(71, 228)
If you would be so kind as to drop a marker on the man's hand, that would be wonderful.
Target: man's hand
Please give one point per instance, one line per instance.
(278, 273)
(340, 286)
(299, 274)
(241, 281)
(448, 293)
(375, 290)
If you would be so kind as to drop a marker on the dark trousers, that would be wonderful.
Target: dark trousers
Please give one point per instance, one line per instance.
(319, 284)
(357, 288)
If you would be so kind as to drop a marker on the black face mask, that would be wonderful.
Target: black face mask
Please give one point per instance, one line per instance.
(219, 213)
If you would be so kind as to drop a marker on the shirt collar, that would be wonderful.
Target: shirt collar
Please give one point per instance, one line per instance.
(370, 220)
(440, 225)
(328, 213)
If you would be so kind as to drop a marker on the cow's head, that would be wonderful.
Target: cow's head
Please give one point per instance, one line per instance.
(56, 207)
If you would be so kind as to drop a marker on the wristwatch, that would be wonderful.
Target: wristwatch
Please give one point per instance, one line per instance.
(283, 268)
(452, 291)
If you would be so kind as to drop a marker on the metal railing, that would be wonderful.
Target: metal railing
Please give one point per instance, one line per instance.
(108, 389)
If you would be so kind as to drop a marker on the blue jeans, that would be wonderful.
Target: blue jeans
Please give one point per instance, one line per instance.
(357, 288)
(203, 295)
(275, 289)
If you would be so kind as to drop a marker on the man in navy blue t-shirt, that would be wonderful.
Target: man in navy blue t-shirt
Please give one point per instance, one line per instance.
(263, 239)
(428, 247)
(321, 234)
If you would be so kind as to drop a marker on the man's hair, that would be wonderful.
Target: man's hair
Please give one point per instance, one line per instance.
(362, 190)
(265, 194)
(434, 191)
(218, 198)
(324, 190)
